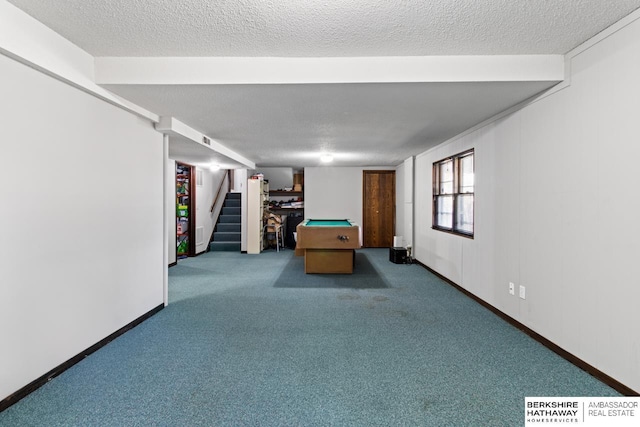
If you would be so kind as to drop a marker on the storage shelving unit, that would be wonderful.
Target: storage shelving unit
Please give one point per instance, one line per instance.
(257, 203)
(185, 246)
(294, 215)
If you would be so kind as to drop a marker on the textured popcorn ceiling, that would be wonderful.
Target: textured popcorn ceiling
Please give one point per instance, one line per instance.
(326, 27)
(363, 124)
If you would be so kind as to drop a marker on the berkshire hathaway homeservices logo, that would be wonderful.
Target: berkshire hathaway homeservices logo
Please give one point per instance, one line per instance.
(582, 411)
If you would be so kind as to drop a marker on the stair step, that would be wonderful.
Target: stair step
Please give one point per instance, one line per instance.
(231, 211)
(230, 219)
(229, 228)
(227, 237)
(222, 236)
(225, 246)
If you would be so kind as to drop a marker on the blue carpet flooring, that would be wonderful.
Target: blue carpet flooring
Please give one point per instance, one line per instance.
(243, 344)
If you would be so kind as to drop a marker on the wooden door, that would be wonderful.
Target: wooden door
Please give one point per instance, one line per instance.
(378, 208)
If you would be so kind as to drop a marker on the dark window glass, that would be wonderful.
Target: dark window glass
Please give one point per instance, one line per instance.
(453, 194)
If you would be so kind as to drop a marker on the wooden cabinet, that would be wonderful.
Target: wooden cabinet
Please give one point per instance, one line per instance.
(257, 203)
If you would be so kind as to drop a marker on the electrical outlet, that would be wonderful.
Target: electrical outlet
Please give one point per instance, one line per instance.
(512, 288)
(522, 292)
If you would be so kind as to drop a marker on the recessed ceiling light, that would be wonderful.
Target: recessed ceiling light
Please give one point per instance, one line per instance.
(326, 158)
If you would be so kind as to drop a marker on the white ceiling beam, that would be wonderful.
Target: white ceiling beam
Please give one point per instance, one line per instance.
(173, 127)
(263, 70)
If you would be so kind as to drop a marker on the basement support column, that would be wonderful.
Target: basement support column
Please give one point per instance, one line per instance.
(168, 193)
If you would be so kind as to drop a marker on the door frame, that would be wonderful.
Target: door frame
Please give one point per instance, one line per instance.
(191, 235)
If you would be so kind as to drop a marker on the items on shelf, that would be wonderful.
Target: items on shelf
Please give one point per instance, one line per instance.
(287, 204)
(273, 220)
(274, 230)
(280, 208)
(286, 200)
(183, 203)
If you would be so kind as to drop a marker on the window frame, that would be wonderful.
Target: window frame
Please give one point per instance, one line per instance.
(455, 194)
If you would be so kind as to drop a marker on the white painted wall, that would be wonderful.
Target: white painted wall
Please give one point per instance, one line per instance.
(239, 180)
(334, 192)
(400, 208)
(556, 210)
(404, 202)
(279, 178)
(205, 195)
(82, 235)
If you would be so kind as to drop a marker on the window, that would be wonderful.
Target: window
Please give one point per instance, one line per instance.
(453, 194)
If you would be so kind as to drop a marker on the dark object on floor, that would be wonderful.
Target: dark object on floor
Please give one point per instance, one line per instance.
(292, 223)
(398, 255)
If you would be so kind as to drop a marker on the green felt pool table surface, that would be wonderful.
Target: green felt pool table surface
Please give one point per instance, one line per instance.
(327, 223)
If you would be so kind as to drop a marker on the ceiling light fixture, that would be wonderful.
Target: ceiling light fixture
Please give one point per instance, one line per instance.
(326, 158)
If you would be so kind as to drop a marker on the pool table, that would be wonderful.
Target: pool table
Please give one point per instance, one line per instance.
(328, 245)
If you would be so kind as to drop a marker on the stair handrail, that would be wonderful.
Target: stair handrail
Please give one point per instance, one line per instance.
(215, 199)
